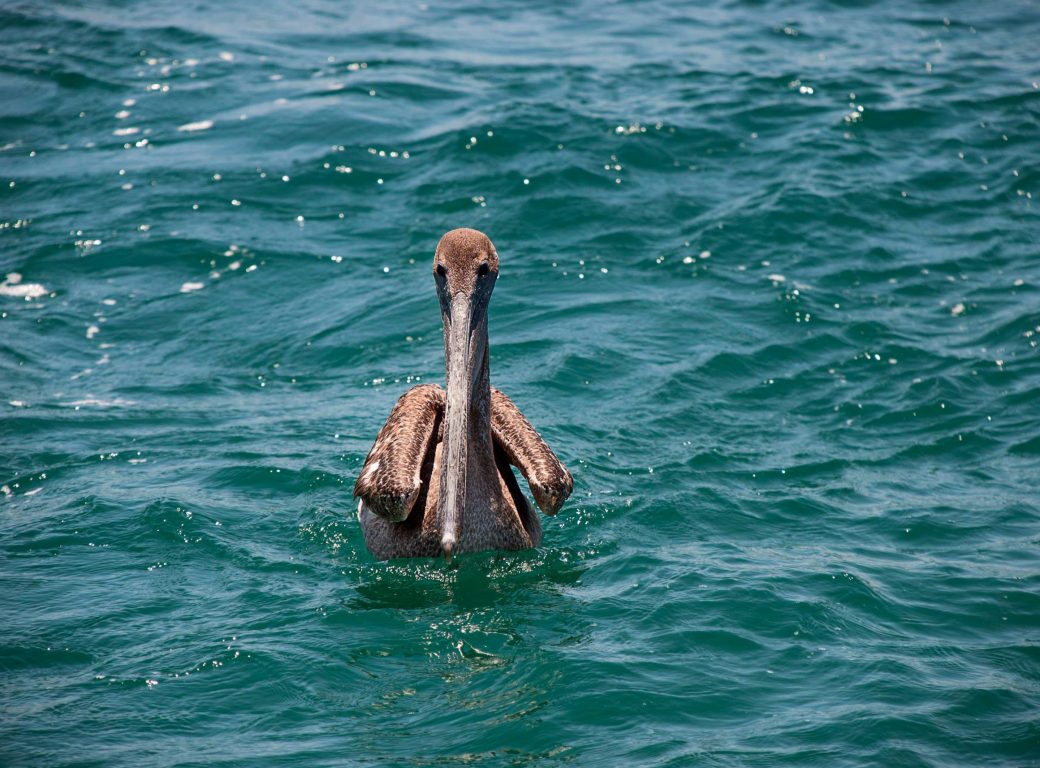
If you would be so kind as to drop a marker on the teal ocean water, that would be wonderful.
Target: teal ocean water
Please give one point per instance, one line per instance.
(770, 288)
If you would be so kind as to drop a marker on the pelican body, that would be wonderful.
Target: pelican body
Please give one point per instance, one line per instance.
(439, 478)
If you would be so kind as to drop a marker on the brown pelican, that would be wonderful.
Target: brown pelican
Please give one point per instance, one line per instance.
(438, 478)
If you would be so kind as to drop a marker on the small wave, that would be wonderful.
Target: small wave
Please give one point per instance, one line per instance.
(98, 402)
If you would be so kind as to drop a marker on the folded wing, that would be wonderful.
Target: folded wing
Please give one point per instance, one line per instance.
(390, 479)
(549, 480)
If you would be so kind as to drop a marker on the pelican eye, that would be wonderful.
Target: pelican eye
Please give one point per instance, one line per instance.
(441, 270)
(483, 269)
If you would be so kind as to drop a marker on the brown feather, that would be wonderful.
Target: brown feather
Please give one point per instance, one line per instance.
(549, 480)
(390, 480)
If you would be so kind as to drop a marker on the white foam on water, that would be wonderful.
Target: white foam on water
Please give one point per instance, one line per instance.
(13, 286)
(201, 125)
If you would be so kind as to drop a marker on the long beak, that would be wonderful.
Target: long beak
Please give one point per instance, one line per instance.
(460, 365)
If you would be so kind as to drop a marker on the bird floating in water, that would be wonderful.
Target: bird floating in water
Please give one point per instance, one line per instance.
(438, 478)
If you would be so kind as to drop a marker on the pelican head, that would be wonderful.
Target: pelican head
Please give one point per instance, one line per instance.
(465, 267)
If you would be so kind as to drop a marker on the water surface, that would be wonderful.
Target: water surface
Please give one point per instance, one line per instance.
(770, 287)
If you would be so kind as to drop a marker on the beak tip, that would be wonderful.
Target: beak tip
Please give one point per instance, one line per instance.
(448, 546)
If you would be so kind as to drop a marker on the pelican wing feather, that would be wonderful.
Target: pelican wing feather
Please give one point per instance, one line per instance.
(549, 480)
(390, 479)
